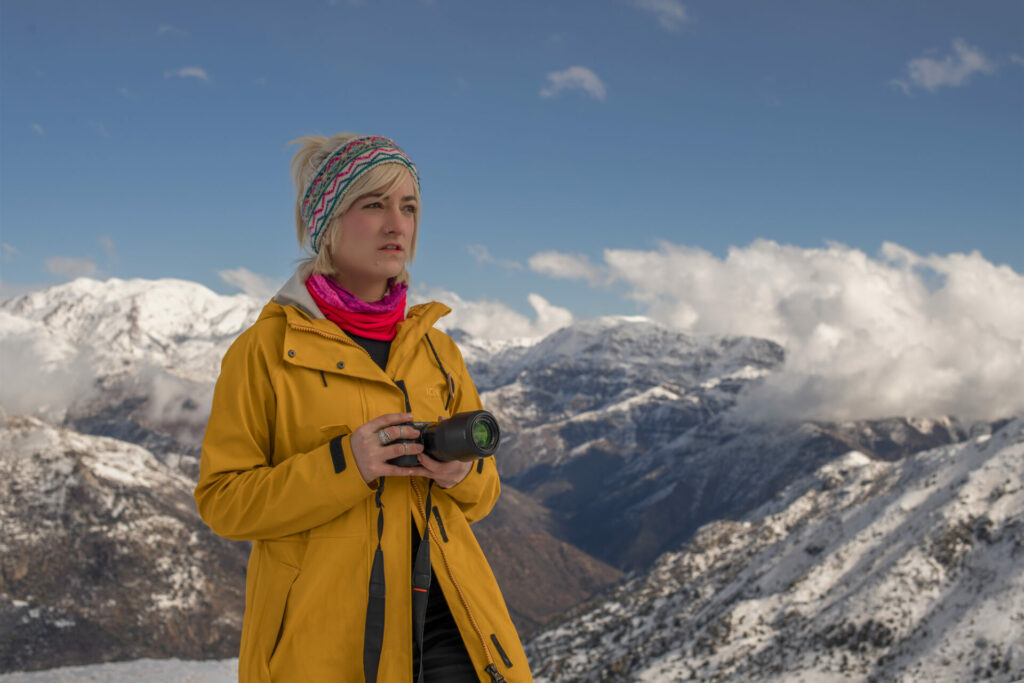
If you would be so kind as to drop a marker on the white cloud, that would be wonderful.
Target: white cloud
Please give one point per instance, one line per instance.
(494, 321)
(43, 371)
(901, 334)
(483, 255)
(953, 70)
(167, 29)
(1017, 59)
(902, 85)
(671, 14)
(38, 129)
(196, 72)
(113, 261)
(69, 267)
(99, 128)
(574, 78)
(253, 284)
(9, 251)
(569, 267)
(127, 94)
(174, 404)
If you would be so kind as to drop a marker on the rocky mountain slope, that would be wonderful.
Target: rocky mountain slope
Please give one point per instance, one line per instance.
(629, 432)
(103, 556)
(866, 570)
(541, 575)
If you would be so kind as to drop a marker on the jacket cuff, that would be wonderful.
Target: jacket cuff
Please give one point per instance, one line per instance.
(474, 484)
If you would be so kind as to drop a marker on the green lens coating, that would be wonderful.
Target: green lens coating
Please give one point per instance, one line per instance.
(482, 434)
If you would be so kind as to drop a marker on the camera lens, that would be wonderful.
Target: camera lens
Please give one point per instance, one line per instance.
(483, 433)
(464, 436)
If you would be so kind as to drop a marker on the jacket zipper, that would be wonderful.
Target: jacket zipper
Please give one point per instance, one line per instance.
(491, 669)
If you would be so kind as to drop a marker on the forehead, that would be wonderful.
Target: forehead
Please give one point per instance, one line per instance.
(405, 188)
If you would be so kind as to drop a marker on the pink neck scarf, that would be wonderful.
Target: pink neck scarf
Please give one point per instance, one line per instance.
(373, 320)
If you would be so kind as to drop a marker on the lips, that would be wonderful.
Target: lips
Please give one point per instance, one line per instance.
(391, 247)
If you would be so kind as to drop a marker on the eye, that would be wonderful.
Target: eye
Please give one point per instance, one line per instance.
(410, 209)
(372, 205)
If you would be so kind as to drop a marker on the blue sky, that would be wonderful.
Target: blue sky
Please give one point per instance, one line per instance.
(149, 139)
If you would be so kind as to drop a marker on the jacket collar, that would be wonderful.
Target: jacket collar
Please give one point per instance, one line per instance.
(302, 316)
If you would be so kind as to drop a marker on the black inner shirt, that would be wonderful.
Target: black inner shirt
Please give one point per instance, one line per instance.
(444, 653)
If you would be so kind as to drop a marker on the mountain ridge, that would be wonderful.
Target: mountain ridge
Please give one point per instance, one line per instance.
(622, 439)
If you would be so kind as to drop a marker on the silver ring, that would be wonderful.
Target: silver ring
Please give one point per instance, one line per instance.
(405, 448)
(384, 437)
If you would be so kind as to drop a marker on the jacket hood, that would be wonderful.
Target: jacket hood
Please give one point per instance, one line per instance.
(294, 293)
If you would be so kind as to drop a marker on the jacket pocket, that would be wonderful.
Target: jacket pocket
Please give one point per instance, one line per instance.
(332, 431)
(270, 597)
(350, 522)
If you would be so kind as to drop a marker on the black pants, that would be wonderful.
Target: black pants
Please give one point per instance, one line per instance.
(445, 659)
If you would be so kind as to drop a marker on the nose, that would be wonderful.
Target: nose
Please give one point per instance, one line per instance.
(396, 220)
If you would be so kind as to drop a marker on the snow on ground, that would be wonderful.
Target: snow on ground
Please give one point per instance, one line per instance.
(139, 671)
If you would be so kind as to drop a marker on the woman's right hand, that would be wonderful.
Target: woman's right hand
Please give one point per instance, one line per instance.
(371, 455)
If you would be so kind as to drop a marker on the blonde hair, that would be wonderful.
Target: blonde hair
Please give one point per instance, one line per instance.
(385, 177)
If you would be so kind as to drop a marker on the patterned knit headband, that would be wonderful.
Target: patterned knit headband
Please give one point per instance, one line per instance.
(337, 173)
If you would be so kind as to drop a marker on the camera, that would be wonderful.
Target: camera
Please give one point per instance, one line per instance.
(464, 436)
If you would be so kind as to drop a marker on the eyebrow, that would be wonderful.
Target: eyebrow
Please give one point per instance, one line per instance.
(406, 198)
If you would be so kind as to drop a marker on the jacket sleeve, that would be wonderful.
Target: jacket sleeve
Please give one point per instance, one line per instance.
(477, 493)
(242, 496)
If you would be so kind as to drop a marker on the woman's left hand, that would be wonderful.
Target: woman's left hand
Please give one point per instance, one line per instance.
(446, 474)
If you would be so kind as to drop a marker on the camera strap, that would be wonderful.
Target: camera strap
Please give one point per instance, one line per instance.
(373, 638)
(447, 375)
(421, 576)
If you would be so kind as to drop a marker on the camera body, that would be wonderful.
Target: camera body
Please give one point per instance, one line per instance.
(464, 436)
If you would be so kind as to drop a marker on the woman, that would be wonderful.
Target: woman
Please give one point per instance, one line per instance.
(306, 414)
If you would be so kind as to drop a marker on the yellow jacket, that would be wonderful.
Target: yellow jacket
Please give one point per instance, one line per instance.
(289, 385)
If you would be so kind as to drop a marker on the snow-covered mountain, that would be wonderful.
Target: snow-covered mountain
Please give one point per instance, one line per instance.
(132, 359)
(121, 325)
(621, 439)
(103, 556)
(632, 433)
(864, 570)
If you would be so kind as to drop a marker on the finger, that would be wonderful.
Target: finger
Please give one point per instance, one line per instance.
(446, 474)
(389, 420)
(405, 449)
(441, 466)
(392, 434)
(429, 463)
(403, 432)
(384, 436)
(395, 471)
